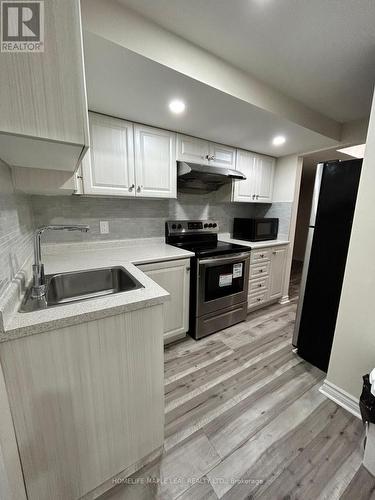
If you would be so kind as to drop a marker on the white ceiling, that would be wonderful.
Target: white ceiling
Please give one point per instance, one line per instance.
(321, 52)
(127, 85)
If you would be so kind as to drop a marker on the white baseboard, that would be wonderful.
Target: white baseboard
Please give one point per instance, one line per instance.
(341, 397)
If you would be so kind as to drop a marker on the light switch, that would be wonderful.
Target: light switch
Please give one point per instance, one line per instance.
(104, 227)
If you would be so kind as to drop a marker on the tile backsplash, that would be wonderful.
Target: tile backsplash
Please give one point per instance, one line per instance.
(16, 228)
(134, 218)
(139, 218)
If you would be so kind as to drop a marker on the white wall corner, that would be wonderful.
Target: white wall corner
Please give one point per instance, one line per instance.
(341, 397)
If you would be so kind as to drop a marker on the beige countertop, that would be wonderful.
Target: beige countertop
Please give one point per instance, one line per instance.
(253, 244)
(58, 258)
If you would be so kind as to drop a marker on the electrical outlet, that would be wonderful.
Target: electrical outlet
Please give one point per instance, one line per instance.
(104, 227)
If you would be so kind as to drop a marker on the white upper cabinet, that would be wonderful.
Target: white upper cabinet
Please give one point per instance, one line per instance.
(108, 168)
(43, 119)
(129, 160)
(244, 190)
(259, 171)
(155, 160)
(221, 156)
(192, 150)
(264, 176)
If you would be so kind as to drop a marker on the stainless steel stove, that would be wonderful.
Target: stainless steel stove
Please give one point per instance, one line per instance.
(219, 275)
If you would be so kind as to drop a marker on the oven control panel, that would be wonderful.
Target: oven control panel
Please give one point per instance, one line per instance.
(192, 226)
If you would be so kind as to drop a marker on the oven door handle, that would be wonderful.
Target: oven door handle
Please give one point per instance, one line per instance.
(222, 260)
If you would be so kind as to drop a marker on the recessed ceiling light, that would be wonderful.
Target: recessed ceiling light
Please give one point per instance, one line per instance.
(355, 151)
(278, 140)
(177, 106)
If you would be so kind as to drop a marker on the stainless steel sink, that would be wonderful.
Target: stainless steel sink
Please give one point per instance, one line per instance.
(76, 286)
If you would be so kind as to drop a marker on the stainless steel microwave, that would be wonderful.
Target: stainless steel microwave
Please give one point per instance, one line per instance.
(256, 229)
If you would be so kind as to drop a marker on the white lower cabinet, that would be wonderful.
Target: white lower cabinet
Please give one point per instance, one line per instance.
(87, 403)
(266, 278)
(174, 277)
(278, 258)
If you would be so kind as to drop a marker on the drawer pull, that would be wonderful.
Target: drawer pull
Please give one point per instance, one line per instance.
(260, 285)
(259, 299)
(261, 255)
(260, 270)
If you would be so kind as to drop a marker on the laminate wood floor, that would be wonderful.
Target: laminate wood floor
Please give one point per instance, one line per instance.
(245, 419)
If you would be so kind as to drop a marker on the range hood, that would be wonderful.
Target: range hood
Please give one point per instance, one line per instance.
(196, 178)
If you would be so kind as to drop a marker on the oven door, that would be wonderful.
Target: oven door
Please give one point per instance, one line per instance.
(222, 282)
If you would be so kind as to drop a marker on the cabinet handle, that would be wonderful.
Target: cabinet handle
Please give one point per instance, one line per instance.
(260, 270)
(257, 196)
(259, 286)
(274, 253)
(139, 189)
(253, 196)
(259, 299)
(261, 255)
(131, 187)
(188, 269)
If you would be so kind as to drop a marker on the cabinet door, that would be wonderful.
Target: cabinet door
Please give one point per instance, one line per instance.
(43, 118)
(245, 190)
(278, 258)
(264, 175)
(223, 156)
(155, 162)
(108, 169)
(192, 149)
(174, 277)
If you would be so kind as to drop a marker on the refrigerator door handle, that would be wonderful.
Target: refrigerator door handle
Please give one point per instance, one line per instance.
(315, 199)
(305, 270)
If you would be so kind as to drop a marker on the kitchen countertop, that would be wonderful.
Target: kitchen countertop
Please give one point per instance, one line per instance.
(65, 257)
(252, 244)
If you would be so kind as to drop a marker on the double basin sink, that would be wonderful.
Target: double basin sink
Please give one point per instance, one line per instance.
(65, 288)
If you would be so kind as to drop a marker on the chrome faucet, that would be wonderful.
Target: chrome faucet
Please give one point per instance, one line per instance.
(39, 285)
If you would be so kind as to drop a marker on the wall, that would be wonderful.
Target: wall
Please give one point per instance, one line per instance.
(138, 218)
(287, 185)
(353, 352)
(16, 228)
(304, 209)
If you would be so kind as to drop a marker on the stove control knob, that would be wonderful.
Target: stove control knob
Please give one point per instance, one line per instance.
(210, 225)
(174, 226)
(179, 226)
(206, 225)
(214, 224)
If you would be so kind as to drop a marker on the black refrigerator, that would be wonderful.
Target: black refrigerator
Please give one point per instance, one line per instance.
(334, 198)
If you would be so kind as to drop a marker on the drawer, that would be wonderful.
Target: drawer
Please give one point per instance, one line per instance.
(258, 285)
(260, 255)
(256, 299)
(259, 270)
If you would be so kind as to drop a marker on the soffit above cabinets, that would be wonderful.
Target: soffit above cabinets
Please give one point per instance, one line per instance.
(127, 85)
(321, 52)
